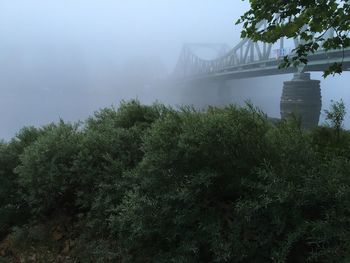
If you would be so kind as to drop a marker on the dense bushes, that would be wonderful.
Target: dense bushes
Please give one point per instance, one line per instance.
(190, 180)
(111, 146)
(13, 206)
(153, 184)
(46, 170)
(111, 149)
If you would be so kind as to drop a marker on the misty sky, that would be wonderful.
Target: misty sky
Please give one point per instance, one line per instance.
(67, 58)
(125, 28)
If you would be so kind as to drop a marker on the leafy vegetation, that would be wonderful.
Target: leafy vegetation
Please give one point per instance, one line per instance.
(308, 20)
(13, 207)
(153, 184)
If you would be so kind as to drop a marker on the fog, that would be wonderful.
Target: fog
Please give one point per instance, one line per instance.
(66, 59)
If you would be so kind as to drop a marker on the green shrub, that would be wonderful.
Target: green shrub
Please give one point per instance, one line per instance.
(298, 213)
(111, 149)
(46, 173)
(153, 184)
(190, 178)
(13, 208)
(226, 186)
(111, 145)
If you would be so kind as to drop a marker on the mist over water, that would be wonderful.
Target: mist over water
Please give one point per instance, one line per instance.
(66, 59)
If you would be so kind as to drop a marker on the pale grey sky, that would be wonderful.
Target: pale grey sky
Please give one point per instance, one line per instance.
(67, 58)
(133, 27)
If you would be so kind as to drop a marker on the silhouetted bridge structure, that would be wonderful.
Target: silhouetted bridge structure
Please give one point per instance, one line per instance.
(250, 59)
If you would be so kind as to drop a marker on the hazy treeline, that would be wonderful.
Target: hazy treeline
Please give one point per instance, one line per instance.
(153, 184)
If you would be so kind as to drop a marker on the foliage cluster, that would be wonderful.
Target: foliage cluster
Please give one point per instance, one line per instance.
(153, 184)
(310, 21)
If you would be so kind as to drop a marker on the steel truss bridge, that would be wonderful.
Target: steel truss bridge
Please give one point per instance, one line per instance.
(250, 59)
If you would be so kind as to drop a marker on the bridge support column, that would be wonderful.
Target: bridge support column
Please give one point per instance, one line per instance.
(302, 96)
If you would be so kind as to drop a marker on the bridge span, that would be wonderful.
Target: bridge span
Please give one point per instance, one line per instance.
(248, 59)
(319, 61)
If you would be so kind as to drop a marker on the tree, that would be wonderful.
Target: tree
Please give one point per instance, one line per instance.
(335, 116)
(307, 19)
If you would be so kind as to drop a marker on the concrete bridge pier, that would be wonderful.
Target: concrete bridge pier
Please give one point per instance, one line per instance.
(302, 96)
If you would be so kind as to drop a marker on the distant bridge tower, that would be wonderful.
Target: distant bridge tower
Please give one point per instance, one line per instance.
(189, 62)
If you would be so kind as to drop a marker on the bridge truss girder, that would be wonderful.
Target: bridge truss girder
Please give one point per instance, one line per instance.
(245, 52)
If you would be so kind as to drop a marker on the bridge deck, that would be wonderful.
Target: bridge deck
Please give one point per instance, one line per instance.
(317, 62)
